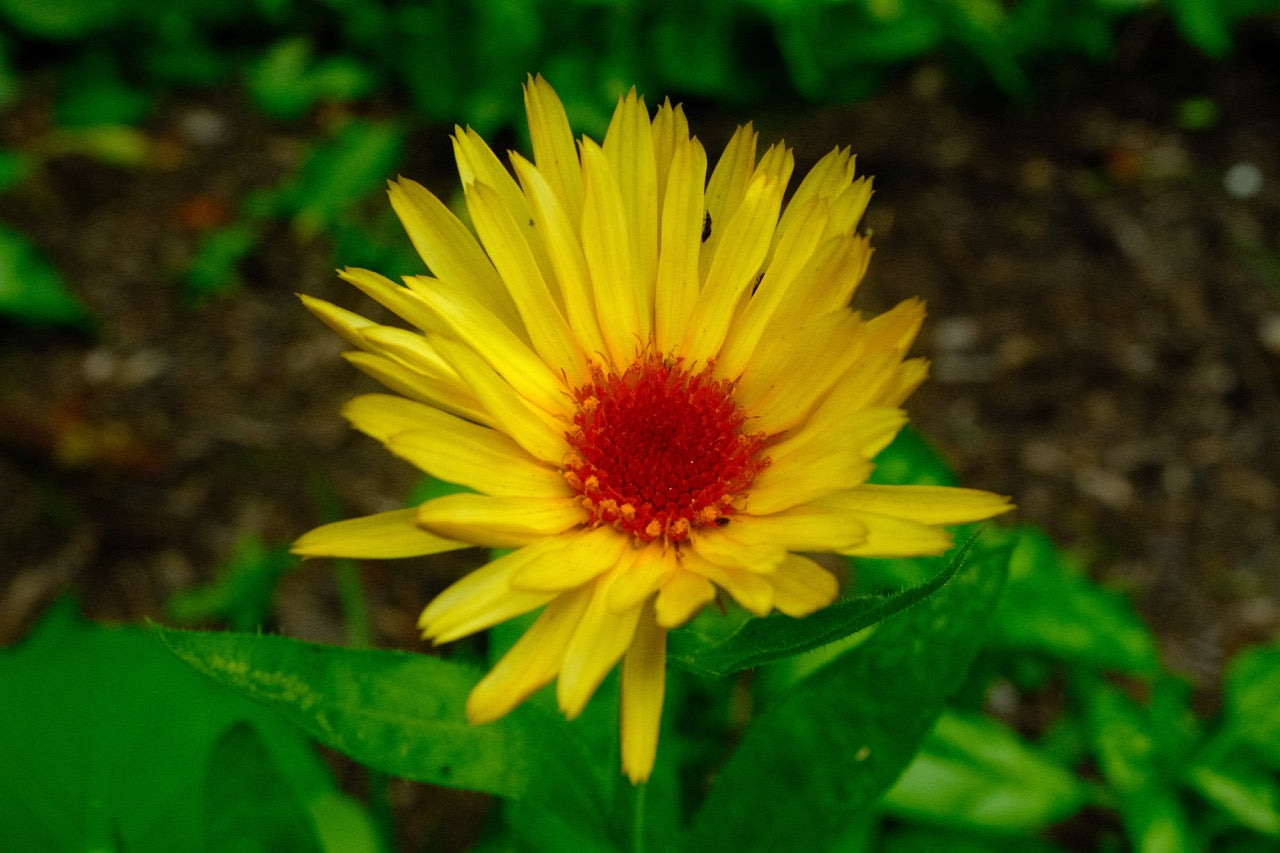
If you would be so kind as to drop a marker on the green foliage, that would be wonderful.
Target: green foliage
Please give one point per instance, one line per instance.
(31, 289)
(241, 594)
(111, 743)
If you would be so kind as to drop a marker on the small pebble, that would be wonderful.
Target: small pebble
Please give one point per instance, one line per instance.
(1243, 180)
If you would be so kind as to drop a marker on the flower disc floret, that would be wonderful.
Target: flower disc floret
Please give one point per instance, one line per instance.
(659, 450)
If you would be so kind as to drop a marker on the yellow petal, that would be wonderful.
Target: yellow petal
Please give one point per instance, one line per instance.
(598, 643)
(888, 536)
(477, 457)
(348, 324)
(801, 586)
(553, 146)
(381, 416)
(649, 569)
(628, 145)
(385, 535)
(807, 476)
(395, 297)
(564, 250)
(449, 248)
(505, 352)
(726, 187)
(607, 248)
(509, 247)
(795, 247)
(681, 597)
(725, 546)
(499, 522)
(828, 178)
(531, 663)
(670, 131)
(733, 270)
(445, 392)
(929, 504)
(752, 590)
(582, 557)
(810, 527)
(678, 280)
(531, 426)
(485, 596)
(643, 686)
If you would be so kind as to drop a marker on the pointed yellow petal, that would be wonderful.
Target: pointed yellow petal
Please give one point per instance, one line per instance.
(598, 643)
(479, 458)
(681, 597)
(753, 591)
(581, 558)
(506, 353)
(828, 178)
(513, 255)
(928, 504)
(395, 297)
(381, 416)
(385, 535)
(888, 536)
(531, 426)
(531, 663)
(564, 249)
(727, 185)
(607, 247)
(499, 522)
(670, 131)
(553, 146)
(650, 569)
(442, 391)
(733, 270)
(629, 146)
(643, 686)
(348, 324)
(807, 476)
(725, 546)
(485, 596)
(809, 527)
(449, 248)
(678, 280)
(801, 586)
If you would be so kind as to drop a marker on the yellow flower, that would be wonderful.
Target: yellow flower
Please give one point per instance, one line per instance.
(654, 387)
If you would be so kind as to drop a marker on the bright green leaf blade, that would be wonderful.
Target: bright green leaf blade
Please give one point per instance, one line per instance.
(975, 774)
(814, 762)
(403, 713)
(760, 641)
(1252, 700)
(104, 738)
(1050, 609)
(31, 289)
(1128, 756)
(247, 803)
(353, 165)
(1250, 796)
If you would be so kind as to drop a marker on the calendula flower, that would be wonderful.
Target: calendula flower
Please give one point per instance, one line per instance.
(654, 388)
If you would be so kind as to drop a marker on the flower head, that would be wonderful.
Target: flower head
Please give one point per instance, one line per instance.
(654, 388)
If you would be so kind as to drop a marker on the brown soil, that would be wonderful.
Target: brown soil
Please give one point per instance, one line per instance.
(1104, 328)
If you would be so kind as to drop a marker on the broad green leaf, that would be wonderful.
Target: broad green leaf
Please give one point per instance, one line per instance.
(973, 773)
(403, 714)
(31, 290)
(1252, 701)
(812, 763)
(1051, 609)
(288, 80)
(105, 738)
(247, 804)
(1128, 756)
(910, 460)
(761, 641)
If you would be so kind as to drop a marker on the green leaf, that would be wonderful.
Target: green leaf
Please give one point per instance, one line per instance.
(403, 714)
(1250, 795)
(813, 763)
(14, 166)
(1129, 757)
(287, 80)
(31, 289)
(761, 641)
(106, 737)
(1252, 701)
(910, 460)
(355, 164)
(65, 19)
(214, 270)
(247, 804)
(1050, 608)
(975, 774)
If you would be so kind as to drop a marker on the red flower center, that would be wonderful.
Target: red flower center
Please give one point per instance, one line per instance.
(659, 450)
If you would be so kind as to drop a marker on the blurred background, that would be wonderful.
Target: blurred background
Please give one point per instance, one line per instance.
(1086, 192)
